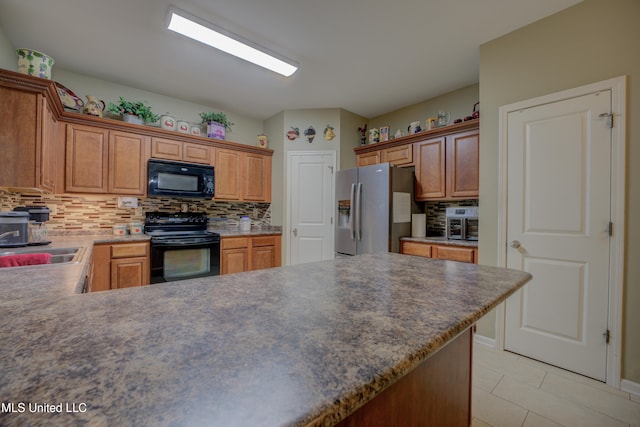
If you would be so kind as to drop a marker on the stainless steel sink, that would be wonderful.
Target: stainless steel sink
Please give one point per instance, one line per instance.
(58, 255)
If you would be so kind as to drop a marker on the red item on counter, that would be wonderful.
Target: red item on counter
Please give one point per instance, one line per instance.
(20, 260)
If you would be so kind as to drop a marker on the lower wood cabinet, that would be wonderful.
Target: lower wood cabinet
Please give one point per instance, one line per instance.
(119, 265)
(249, 253)
(433, 250)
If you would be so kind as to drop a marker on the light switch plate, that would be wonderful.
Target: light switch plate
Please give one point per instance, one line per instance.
(127, 202)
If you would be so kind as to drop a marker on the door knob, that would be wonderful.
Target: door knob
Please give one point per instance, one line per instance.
(515, 244)
(295, 232)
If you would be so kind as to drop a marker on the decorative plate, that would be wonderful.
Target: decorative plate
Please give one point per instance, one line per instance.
(69, 99)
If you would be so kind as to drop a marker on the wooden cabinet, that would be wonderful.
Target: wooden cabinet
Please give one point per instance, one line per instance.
(168, 149)
(447, 167)
(120, 265)
(366, 159)
(102, 161)
(432, 250)
(242, 176)
(239, 254)
(27, 138)
(401, 155)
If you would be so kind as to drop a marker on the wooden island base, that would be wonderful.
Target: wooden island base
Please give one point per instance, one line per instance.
(436, 393)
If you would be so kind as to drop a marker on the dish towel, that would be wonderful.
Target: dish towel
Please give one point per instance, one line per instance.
(24, 259)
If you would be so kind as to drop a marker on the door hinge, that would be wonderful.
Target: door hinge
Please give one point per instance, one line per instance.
(607, 336)
(610, 228)
(331, 168)
(609, 117)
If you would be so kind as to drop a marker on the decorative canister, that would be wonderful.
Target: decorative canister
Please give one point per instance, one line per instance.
(245, 223)
(167, 122)
(196, 130)
(183, 126)
(34, 63)
(120, 229)
(135, 228)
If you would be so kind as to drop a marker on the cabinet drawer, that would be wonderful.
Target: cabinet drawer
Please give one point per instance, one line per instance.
(124, 250)
(415, 248)
(265, 240)
(234, 242)
(454, 253)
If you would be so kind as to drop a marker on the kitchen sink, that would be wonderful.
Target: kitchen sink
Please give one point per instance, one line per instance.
(58, 255)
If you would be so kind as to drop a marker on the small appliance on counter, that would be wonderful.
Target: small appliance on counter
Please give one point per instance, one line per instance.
(462, 223)
(37, 231)
(14, 229)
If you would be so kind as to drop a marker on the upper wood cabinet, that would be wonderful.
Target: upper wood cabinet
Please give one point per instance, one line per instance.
(103, 161)
(242, 176)
(447, 167)
(370, 158)
(27, 133)
(168, 149)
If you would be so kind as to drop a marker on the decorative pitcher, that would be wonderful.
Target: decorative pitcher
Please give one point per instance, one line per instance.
(94, 106)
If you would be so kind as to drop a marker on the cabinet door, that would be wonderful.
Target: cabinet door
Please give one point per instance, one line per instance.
(228, 168)
(463, 158)
(234, 260)
(367, 159)
(196, 153)
(257, 177)
(87, 158)
(454, 253)
(430, 169)
(47, 167)
(128, 155)
(101, 263)
(399, 156)
(129, 272)
(166, 149)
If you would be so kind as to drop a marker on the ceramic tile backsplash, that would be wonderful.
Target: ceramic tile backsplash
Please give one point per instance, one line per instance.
(436, 219)
(97, 214)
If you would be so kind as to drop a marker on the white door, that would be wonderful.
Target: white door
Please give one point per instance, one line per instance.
(311, 183)
(558, 215)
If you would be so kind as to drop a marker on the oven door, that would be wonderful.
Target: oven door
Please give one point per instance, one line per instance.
(177, 260)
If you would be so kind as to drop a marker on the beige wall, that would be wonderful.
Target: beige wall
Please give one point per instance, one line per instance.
(458, 103)
(592, 41)
(8, 56)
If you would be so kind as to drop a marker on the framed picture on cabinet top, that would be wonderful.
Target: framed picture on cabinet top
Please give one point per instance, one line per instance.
(384, 133)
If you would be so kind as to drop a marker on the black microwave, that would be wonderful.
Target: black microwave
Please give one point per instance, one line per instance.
(180, 179)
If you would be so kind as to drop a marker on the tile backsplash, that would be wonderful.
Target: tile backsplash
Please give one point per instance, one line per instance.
(436, 219)
(97, 214)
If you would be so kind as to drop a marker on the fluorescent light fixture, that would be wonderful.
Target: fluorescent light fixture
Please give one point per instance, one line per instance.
(228, 42)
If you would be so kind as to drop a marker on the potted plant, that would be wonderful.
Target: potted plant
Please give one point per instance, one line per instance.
(217, 124)
(133, 112)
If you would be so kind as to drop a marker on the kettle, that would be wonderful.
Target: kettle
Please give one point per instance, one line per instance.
(94, 106)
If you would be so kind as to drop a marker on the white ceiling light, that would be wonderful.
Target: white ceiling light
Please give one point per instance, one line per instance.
(228, 42)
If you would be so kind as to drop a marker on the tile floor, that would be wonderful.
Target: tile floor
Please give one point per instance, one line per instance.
(511, 390)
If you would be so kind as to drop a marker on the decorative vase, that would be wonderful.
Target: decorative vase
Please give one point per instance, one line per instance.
(183, 126)
(215, 130)
(94, 106)
(168, 122)
(130, 118)
(34, 63)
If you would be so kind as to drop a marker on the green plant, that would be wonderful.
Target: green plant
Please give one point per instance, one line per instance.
(137, 108)
(218, 118)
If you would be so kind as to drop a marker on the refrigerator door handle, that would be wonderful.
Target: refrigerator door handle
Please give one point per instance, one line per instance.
(352, 205)
(358, 210)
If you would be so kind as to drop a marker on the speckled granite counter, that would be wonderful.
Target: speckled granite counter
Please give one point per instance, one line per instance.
(297, 345)
(264, 231)
(442, 241)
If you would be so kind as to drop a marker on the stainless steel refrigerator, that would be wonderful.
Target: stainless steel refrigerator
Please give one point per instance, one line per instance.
(374, 206)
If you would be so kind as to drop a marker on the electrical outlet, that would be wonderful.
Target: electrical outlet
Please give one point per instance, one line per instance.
(127, 202)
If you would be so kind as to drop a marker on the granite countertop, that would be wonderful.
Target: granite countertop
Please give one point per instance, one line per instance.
(235, 232)
(295, 345)
(439, 240)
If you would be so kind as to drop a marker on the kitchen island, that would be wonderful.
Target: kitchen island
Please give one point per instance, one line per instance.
(299, 345)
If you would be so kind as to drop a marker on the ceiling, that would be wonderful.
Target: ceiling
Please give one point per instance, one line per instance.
(366, 56)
